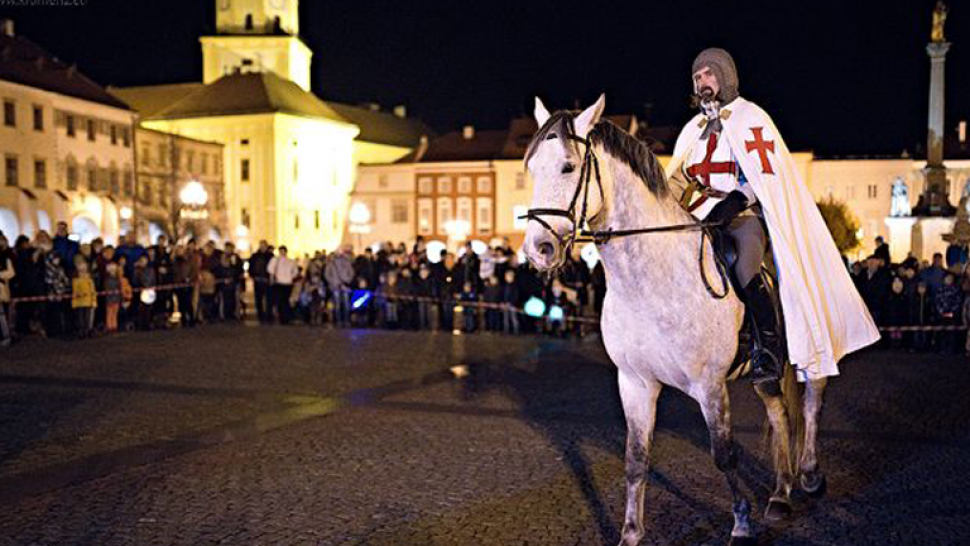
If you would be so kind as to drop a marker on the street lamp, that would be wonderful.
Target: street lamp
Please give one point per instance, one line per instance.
(193, 194)
(457, 231)
(359, 217)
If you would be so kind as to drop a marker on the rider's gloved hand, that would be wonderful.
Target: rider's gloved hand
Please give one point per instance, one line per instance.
(734, 204)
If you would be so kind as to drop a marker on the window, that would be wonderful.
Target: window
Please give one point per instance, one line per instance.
(162, 150)
(484, 185)
(244, 142)
(444, 214)
(425, 185)
(163, 194)
(425, 213)
(12, 171)
(464, 210)
(71, 176)
(399, 211)
(218, 164)
(113, 183)
(126, 137)
(244, 217)
(91, 130)
(873, 191)
(190, 160)
(129, 186)
(316, 219)
(38, 118)
(205, 163)
(93, 177)
(40, 173)
(464, 184)
(146, 155)
(9, 113)
(518, 223)
(114, 135)
(148, 194)
(444, 185)
(296, 220)
(244, 170)
(70, 125)
(382, 181)
(484, 216)
(520, 181)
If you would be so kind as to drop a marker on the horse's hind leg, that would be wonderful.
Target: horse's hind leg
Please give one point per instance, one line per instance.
(779, 505)
(640, 407)
(717, 413)
(812, 480)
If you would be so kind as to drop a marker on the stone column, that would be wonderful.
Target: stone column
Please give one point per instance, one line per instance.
(934, 201)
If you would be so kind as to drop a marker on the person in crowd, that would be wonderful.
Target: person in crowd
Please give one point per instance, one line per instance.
(259, 273)
(131, 250)
(407, 307)
(559, 309)
(232, 277)
(185, 281)
(422, 292)
(493, 298)
(933, 274)
(143, 282)
(58, 288)
(83, 300)
(510, 303)
(283, 274)
(948, 301)
(7, 273)
(444, 284)
(111, 284)
(164, 267)
(469, 303)
(340, 278)
(65, 247)
(390, 301)
(128, 306)
(896, 312)
(882, 251)
(469, 266)
(876, 285)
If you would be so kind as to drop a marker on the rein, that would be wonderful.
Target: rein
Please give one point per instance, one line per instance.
(579, 233)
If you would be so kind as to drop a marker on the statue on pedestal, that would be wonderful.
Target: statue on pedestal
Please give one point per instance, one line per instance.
(939, 20)
(900, 202)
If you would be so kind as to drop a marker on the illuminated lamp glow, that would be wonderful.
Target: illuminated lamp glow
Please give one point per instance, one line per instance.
(125, 213)
(434, 250)
(556, 313)
(148, 296)
(479, 247)
(535, 307)
(193, 194)
(359, 214)
(590, 255)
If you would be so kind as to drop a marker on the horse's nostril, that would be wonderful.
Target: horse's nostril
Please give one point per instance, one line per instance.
(546, 249)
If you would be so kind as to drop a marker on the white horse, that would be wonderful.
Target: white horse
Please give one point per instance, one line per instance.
(660, 324)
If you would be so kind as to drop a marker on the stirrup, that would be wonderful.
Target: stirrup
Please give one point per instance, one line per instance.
(762, 374)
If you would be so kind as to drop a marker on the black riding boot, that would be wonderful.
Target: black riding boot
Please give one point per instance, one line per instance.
(767, 352)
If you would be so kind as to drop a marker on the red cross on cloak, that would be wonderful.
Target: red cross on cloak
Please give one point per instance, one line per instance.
(706, 168)
(762, 146)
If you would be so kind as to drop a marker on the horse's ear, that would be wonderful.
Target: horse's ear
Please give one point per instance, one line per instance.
(590, 116)
(542, 115)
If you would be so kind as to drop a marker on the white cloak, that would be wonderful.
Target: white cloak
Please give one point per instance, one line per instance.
(825, 318)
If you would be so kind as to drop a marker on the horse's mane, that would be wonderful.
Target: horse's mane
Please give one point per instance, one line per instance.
(615, 141)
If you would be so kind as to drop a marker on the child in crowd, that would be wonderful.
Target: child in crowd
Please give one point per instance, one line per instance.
(390, 305)
(493, 297)
(897, 312)
(83, 299)
(468, 299)
(510, 300)
(112, 298)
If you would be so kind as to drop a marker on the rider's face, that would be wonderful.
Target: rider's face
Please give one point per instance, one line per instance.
(705, 83)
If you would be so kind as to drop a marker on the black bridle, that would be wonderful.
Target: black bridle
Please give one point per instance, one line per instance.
(581, 234)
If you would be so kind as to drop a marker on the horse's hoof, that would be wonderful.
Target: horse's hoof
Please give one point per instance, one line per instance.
(743, 541)
(777, 511)
(814, 484)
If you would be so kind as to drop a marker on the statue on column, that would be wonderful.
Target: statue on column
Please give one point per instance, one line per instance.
(939, 20)
(900, 202)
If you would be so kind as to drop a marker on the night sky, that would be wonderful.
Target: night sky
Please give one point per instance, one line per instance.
(838, 77)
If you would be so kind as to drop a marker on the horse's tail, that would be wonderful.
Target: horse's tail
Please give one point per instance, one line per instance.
(791, 396)
(791, 401)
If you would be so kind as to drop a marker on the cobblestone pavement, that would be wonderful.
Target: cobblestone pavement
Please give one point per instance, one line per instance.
(236, 435)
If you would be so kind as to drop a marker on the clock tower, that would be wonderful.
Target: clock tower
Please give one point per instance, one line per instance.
(257, 36)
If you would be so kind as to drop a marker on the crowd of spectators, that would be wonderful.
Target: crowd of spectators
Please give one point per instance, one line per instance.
(911, 293)
(54, 286)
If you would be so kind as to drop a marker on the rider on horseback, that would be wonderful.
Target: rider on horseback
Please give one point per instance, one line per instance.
(725, 198)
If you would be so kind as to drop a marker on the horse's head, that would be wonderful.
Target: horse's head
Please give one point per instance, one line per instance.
(555, 160)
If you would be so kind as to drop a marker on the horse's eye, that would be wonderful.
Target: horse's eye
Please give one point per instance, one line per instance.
(568, 168)
(551, 136)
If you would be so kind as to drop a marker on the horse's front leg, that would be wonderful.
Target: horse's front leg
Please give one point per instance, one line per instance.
(812, 479)
(717, 413)
(640, 407)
